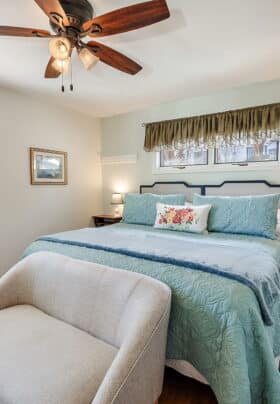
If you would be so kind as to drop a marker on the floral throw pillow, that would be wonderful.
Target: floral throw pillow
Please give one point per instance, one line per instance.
(187, 218)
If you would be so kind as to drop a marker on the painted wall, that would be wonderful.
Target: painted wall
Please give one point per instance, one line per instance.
(123, 135)
(26, 211)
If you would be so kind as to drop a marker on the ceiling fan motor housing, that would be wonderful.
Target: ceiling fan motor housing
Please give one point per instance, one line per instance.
(77, 11)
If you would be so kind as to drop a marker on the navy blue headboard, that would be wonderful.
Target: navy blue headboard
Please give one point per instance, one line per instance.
(231, 188)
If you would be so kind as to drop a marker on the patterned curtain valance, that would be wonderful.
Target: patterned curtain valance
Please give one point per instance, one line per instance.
(239, 127)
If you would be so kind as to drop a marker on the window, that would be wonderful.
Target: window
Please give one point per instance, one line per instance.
(247, 154)
(230, 158)
(182, 158)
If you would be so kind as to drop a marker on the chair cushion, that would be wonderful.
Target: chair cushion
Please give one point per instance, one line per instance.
(47, 361)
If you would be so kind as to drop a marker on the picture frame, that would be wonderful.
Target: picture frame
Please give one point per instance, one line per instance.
(48, 167)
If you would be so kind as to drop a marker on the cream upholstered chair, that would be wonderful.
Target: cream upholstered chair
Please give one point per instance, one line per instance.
(74, 332)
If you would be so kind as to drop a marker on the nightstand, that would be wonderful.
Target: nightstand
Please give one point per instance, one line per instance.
(105, 220)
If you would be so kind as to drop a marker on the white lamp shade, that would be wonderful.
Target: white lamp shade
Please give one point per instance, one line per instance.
(117, 199)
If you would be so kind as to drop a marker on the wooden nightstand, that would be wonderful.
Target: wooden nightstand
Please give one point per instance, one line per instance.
(105, 220)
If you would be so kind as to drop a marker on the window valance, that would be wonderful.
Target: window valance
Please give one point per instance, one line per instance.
(239, 127)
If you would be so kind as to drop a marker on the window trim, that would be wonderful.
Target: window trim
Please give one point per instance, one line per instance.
(212, 167)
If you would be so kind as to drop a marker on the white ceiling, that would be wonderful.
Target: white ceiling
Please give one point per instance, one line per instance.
(205, 46)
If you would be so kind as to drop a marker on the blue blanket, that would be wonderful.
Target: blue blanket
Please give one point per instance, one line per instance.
(242, 261)
(216, 323)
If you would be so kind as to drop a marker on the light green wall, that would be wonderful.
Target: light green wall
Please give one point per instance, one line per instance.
(123, 134)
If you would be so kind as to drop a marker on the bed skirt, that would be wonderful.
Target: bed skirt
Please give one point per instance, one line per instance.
(187, 369)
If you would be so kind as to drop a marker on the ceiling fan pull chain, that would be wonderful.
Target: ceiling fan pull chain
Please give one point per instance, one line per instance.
(71, 72)
(62, 82)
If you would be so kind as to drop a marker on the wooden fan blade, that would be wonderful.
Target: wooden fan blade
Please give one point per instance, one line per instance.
(25, 32)
(129, 18)
(113, 58)
(53, 6)
(51, 71)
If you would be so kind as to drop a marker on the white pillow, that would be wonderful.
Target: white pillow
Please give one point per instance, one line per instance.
(188, 217)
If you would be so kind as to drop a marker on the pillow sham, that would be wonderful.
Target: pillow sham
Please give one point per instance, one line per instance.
(188, 218)
(252, 215)
(142, 208)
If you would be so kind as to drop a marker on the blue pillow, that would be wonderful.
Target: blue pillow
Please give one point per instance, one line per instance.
(142, 208)
(252, 215)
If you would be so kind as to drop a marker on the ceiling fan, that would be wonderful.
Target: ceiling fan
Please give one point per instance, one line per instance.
(73, 20)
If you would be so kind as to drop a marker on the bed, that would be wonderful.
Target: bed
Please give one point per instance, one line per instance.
(217, 331)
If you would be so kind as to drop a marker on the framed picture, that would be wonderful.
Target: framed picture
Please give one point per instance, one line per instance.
(48, 167)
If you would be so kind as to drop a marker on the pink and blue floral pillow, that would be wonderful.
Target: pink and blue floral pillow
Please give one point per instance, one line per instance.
(187, 218)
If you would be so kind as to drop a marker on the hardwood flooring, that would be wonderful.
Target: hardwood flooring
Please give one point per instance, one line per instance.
(179, 389)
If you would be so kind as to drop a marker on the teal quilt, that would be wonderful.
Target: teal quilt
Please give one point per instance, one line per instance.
(217, 323)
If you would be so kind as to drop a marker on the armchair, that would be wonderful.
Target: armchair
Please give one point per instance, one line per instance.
(74, 332)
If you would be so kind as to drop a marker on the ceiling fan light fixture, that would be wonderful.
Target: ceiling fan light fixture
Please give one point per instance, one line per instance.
(60, 48)
(88, 58)
(62, 66)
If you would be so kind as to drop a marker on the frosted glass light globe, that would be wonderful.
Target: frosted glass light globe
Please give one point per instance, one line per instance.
(88, 58)
(62, 66)
(60, 48)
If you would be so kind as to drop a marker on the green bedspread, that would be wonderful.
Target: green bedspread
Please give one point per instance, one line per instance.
(215, 324)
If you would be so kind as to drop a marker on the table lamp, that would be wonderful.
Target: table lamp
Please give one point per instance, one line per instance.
(116, 200)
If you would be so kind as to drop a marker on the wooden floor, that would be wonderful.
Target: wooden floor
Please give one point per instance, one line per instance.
(179, 389)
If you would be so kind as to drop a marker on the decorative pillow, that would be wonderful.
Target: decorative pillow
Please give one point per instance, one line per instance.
(252, 215)
(188, 218)
(142, 208)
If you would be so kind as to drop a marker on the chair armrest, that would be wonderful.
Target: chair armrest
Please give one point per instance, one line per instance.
(9, 286)
(136, 375)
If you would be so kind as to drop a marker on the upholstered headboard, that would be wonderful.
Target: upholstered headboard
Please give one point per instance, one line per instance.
(230, 188)
(163, 188)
